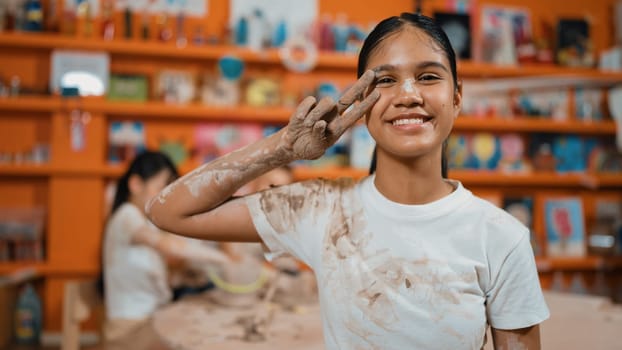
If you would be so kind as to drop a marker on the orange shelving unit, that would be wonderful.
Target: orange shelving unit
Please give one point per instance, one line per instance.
(329, 60)
(72, 184)
(534, 124)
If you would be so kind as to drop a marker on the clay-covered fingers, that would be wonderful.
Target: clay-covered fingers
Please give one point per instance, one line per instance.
(302, 110)
(355, 92)
(339, 125)
(322, 110)
(319, 129)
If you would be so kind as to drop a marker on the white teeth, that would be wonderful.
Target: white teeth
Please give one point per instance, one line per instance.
(408, 121)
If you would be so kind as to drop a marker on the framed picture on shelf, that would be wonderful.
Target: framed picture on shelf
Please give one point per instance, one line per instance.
(569, 153)
(458, 29)
(589, 103)
(521, 207)
(212, 140)
(541, 152)
(496, 44)
(125, 140)
(505, 35)
(605, 228)
(574, 46)
(176, 86)
(565, 230)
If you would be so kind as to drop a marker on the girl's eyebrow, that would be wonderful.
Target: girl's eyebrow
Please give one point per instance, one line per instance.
(420, 65)
(384, 67)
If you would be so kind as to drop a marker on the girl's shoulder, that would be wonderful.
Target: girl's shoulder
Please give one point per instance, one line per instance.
(312, 194)
(499, 222)
(317, 186)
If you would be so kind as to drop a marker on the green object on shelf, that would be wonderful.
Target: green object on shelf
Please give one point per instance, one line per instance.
(175, 150)
(128, 88)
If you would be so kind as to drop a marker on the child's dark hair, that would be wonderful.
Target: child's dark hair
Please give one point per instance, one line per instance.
(145, 165)
(393, 25)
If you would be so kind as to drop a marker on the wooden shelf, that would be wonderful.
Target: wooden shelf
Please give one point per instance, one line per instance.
(133, 47)
(552, 179)
(279, 115)
(151, 110)
(39, 170)
(533, 124)
(192, 112)
(548, 264)
(468, 177)
(484, 178)
(489, 70)
(25, 170)
(45, 269)
(333, 60)
(30, 104)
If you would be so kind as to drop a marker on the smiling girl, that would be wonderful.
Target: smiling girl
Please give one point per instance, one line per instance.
(404, 258)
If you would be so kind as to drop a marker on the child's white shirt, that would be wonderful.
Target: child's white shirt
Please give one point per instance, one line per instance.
(394, 276)
(135, 276)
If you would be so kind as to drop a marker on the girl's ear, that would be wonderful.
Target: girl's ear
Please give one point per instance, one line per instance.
(134, 184)
(458, 98)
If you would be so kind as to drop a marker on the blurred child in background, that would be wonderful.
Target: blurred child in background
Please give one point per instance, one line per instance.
(136, 253)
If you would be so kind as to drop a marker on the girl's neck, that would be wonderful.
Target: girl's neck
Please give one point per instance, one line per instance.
(417, 181)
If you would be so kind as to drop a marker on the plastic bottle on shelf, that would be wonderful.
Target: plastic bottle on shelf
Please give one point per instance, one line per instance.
(258, 31)
(107, 20)
(241, 31)
(34, 16)
(341, 32)
(28, 316)
(280, 34)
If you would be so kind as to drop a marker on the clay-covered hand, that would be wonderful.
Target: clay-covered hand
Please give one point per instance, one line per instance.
(316, 126)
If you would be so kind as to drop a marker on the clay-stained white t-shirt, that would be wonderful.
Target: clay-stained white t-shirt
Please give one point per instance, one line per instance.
(135, 275)
(394, 276)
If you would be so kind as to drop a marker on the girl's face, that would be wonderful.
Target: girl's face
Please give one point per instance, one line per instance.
(144, 190)
(418, 101)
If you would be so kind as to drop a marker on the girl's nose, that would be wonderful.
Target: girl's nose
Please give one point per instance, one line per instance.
(408, 94)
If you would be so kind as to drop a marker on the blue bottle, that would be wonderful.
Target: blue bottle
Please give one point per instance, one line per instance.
(28, 317)
(241, 32)
(34, 16)
(280, 34)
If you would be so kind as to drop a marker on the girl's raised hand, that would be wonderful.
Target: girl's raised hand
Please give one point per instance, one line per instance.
(316, 126)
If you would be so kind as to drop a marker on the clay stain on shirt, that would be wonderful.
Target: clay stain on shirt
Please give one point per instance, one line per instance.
(295, 199)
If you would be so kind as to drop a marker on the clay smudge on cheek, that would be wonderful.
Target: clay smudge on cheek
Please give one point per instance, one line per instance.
(408, 86)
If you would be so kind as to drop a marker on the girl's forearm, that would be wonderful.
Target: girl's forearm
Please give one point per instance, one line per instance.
(215, 182)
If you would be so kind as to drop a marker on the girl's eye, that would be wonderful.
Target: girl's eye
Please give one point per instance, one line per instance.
(428, 77)
(383, 81)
